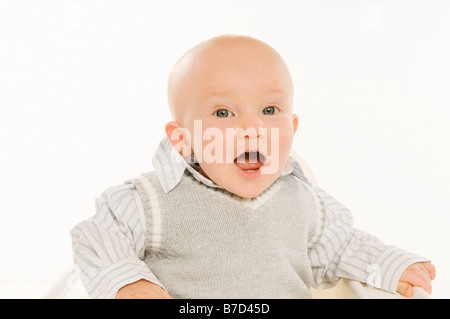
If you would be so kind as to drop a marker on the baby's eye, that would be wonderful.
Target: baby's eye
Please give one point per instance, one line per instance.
(270, 110)
(223, 113)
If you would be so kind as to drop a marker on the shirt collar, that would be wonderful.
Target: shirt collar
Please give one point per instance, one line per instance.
(170, 166)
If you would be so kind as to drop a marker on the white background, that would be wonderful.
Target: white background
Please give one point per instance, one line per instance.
(83, 106)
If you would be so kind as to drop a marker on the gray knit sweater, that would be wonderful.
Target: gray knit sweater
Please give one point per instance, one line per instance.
(205, 242)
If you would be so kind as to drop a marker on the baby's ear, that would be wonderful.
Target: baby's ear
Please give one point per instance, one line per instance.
(295, 122)
(179, 137)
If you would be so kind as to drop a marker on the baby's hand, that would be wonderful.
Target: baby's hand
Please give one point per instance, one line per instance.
(142, 289)
(416, 275)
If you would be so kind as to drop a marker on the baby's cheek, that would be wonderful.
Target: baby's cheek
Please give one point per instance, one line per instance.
(281, 140)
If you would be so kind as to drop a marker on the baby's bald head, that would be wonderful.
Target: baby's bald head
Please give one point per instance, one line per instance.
(204, 66)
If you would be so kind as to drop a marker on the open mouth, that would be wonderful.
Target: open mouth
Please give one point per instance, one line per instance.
(250, 162)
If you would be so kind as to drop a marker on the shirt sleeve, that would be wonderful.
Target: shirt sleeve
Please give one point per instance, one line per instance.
(342, 251)
(109, 247)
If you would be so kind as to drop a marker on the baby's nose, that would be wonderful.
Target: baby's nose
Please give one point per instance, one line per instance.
(250, 127)
(251, 132)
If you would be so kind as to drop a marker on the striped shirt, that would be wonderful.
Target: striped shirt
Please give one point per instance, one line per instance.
(109, 247)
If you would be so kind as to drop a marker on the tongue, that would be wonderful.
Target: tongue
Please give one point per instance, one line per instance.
(248, 163)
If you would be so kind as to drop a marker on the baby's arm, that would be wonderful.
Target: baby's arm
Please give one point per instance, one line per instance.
(109, 248)
(341, 251)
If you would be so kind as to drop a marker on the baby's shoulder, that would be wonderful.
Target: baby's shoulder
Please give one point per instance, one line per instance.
(128, 186)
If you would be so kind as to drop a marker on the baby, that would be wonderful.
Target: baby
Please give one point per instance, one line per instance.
(228, 213)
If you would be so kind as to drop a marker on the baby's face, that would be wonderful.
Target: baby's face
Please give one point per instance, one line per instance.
(237, 107)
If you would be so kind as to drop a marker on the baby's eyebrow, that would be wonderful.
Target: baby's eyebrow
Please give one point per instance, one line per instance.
(222, 93)
(277, 91)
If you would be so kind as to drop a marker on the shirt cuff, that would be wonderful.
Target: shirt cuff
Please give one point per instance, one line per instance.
(113, 277)
(389, 267)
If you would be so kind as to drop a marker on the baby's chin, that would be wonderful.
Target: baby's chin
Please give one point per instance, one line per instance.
(249, 194)
(251, 190)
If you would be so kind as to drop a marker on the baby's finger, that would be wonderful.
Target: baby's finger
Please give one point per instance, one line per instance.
(431, 270)
(405, 289)
(421, 279)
